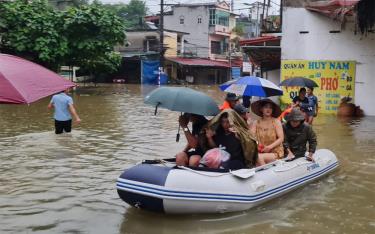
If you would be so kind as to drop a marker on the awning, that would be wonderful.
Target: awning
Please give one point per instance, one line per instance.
(199, 62)
(266, 40)
(263, 51)
(333, 8)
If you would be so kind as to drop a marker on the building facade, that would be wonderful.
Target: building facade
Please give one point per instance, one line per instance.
(309, 34)
(209, 27)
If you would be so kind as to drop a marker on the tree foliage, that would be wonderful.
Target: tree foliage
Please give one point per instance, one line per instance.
(132, 13)
(93, 31)
(33, 30)
(82, 36)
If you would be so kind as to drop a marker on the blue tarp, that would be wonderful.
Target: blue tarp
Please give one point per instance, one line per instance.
(150, 73)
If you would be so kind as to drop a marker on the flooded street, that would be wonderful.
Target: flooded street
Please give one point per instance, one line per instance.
(67, 183)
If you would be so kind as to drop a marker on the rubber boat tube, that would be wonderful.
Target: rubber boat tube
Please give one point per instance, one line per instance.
(166, 188)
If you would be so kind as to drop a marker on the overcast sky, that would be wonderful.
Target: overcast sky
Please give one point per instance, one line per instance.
(154, 7)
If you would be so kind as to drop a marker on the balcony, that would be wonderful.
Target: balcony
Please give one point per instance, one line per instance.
(219, 30)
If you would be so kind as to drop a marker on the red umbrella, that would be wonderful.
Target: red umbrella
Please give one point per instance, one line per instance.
(24, 82)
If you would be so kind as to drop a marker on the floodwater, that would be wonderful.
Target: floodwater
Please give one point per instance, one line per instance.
(66, 184)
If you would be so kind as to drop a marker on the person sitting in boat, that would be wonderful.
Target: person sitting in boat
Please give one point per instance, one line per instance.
(230, 101)
(268, 131)
(297, 134)
(229, 130)
(244, 113)
(193, 151)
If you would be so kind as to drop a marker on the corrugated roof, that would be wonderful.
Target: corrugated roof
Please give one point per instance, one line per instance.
(259, 40)
(199, 62)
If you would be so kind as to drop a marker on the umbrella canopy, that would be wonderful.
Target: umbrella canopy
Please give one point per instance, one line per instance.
(182, 99)
(299, 81)
(252, 86)
(24, 82)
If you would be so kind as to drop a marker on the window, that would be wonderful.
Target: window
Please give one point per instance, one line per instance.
(219, 47)
(212, 16)
(182, 20)
(215, 47)
(222, 18)
(199, 19)
(219, 17)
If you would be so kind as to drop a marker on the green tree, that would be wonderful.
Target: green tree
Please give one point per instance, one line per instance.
(239, 29)
(32, 30)
(132, 13)
(63, 4)
(93, 31)
(82, 36)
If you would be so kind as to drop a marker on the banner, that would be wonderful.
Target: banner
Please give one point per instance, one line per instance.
(335, 80)
(150, 73)
(236, 72)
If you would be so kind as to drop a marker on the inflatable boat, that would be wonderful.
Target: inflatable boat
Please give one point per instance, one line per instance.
(161, 186)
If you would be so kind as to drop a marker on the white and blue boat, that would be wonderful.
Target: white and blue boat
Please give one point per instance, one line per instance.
(162, 187)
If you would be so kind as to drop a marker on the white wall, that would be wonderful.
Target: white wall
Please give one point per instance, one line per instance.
(198, 33)
(319, 44)
(274, 77)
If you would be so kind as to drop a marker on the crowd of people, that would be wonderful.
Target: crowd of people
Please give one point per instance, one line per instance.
(250, 141)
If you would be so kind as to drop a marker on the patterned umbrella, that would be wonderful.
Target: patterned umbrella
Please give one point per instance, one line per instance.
(251, 86)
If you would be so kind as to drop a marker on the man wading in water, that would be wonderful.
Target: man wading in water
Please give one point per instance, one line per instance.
(64, 109)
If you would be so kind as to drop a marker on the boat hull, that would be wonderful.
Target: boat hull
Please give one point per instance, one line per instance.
(166, 189)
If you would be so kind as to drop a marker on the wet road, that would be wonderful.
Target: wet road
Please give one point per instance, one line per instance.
(66, 184)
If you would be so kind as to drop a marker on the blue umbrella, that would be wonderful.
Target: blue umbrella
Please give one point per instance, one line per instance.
(251, 86)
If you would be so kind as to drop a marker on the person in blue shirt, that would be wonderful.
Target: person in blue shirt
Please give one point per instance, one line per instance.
(301, 102)
(312, 110)
(64, 110)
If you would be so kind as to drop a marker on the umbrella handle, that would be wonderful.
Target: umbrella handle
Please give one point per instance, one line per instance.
(156, 108)
(178, 132)
(178, 135)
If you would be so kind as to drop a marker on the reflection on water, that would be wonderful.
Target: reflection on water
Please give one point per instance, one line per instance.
(58, 184)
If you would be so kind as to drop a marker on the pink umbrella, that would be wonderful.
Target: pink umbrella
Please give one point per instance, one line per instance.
(24, 82)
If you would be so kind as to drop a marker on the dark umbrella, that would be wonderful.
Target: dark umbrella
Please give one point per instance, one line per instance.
(182, 99)
(298, 81)
(24, 82)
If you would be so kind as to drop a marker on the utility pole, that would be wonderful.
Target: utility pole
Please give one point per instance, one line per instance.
(231, 5)
(263, 6)
(161, 46)
(281, 15)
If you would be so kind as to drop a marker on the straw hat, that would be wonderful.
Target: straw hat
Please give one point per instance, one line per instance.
(257, 106)
(295, 115)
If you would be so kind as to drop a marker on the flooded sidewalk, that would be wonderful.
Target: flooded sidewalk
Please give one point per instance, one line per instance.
(67, 183)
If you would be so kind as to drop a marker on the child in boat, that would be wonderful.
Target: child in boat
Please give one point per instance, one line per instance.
(297, 134)
(268, 131)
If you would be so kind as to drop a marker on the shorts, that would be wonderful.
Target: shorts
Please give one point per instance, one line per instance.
(63, 126)
(310, 113)
(194, 152)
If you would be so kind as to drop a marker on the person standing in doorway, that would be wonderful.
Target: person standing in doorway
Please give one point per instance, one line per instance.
(64, 110)
(312, 110)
